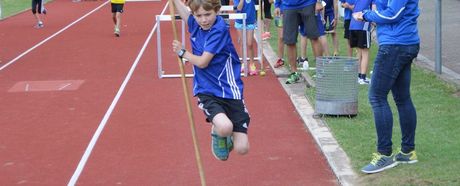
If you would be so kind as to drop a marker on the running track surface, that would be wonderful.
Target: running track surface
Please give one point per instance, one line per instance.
(54, 98)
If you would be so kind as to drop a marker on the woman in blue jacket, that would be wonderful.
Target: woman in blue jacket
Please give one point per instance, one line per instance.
(398, 40)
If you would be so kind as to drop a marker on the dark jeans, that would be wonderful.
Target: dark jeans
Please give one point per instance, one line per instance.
(392, 71)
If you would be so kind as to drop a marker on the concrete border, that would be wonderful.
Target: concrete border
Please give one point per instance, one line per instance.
(335, 155)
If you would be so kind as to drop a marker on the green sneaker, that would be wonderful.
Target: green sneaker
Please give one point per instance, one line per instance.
(379, 163)
(219, 147)
(402, 157)
(293, 78)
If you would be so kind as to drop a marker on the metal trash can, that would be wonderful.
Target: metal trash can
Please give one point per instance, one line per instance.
(336, 85)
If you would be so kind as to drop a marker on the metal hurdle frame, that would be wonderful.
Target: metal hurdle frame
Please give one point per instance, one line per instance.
(159, 18)
(257, 36)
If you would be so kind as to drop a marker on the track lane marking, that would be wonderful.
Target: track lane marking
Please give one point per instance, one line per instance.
(81, 165)
(52, 36)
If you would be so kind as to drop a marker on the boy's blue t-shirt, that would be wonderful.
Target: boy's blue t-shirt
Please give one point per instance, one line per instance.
(222, 76)
(249, 9)
(348, 12)
(361, 5)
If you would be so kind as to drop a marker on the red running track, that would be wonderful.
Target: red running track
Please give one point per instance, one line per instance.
(54, 98)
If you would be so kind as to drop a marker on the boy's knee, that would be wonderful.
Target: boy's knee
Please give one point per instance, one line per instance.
(242, 150)
(224, 129)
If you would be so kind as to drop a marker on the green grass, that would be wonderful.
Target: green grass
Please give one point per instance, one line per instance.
(438, 120)
(12, 7)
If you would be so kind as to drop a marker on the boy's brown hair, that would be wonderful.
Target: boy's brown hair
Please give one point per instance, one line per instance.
(206, 4)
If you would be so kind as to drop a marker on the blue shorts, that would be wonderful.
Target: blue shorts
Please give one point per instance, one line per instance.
(239, 26)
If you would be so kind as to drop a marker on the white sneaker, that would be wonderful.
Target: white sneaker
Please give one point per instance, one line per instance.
(117, 32)
(363, 81)
(39, 25)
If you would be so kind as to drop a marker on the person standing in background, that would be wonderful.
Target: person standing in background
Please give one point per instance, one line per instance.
(360, 37)
(348, 5)
(331, 15)
(399, 44)
(38, 7)
(296, 12)
(248, 7)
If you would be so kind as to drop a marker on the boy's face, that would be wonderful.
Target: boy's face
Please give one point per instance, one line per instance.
(205, 18)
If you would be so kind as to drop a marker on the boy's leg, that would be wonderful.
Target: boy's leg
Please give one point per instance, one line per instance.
(292, 55)
(346, 35)
(324, 46)
(118, 21)
(221, 130)
(114, 18)
(250, 47)
(364, 60)
(240, 143)
(223, 127)
(303, 46)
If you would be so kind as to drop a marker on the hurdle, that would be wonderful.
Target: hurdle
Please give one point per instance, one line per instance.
(257, 35)
(160, 18)
(229, 16)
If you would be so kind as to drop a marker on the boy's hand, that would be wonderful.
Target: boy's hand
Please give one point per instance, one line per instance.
(277, 12)
(318, 7)
(358, 16)
(177, 46)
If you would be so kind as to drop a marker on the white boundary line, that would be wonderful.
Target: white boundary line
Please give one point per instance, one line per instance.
(50, 37)
(101, 126)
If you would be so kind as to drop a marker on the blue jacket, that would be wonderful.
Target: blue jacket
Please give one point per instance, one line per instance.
(396, 21)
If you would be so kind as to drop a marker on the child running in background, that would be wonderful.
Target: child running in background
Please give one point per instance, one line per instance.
(360, 37)
(117, 10)
(38, 7)
(217, 78)
(248, 7)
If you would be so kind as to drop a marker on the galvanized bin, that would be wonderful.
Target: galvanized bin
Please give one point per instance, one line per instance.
(336, 85)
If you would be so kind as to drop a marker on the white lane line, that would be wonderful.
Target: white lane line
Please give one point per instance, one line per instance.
(66, 85)
(27, 87)
(50, 37)
(101, 126)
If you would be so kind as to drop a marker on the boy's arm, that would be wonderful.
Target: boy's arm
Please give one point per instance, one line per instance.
(184, 13)
(240, 5)
(199, 61)
(277, 10)
(390, 15)
(336, 12)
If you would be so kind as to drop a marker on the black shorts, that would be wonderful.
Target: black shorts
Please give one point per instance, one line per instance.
(234, 109)
(117, 8)
(37, 6)
(360, 39)
(292, 20)
(346, 28)
(225, 2)
(267, 9)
